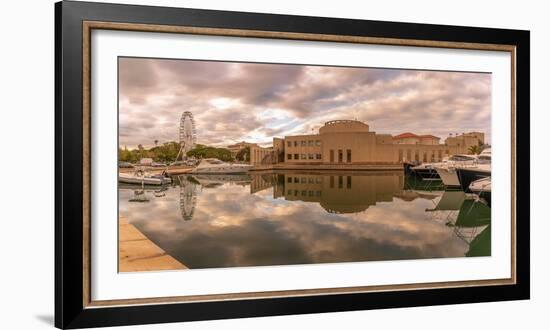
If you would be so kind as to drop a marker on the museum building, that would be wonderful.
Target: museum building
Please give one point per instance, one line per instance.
(350, 142)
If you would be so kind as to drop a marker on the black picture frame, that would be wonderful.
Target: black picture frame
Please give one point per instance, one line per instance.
(70, 309)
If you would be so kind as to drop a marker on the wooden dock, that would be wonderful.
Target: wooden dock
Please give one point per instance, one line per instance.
(137, 253)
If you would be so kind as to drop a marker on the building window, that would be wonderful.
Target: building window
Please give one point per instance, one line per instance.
(310, 156)
(310, 143)
(416, 157)
(303, 180)
(295, 156)
(340, 156)
(349, 182)
(295, 143)
(340, 182)
(409, 155)
(318, 156)
(289, 180)
(348, 155)
(331, 156)
(296, 179)
(317, 180)
(289, 144)
(310, 193)
(303, 156)
(304, 192)
(288, 156)
(331, 181)
(425, 157)
(318, 143)
(309, 180)
(400, 156)
(303, 143)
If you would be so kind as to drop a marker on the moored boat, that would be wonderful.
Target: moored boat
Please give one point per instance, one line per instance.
(447, 170)
(448, 176)
(428, 171)
(482, 188)
(143, 178)
(469, 174)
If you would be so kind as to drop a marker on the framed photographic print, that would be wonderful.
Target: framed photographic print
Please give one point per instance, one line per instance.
(214, 164)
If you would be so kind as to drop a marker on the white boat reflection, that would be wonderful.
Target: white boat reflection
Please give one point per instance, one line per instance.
(144, 194)
(469, 218)
(305, 217)
(348, 194)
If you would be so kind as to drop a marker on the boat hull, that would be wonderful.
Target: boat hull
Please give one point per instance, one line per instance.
(149, 181)
(482, 188)
(468, 175)
(146, 181)
(426, 173)
(448, 177)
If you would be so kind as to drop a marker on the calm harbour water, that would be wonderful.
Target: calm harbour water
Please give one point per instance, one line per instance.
(301, 218)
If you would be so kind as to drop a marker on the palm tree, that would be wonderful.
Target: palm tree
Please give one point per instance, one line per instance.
(475, 150)
(156, 142)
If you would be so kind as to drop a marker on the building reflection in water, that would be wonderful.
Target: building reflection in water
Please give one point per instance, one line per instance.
(342, 193)
(339, 193)
(307, 217)
(336, 193)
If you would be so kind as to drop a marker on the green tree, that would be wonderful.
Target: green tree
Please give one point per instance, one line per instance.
(475, 150)
(202, 151)
(165, 153)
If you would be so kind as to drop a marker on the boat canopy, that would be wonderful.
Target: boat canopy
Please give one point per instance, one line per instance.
(213, 161)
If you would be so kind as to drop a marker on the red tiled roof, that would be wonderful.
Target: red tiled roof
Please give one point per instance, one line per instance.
(412, 135)
(429, 136)
(405, 135)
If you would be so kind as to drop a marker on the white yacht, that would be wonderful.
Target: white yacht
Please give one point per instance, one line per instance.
(428, 171)
(216, 166)
(468, 174)
(447, 171)
(484, 156)
(482, 188)
(144, 178)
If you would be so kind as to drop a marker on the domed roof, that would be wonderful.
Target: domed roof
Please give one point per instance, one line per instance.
(343, 208)
(344, 126)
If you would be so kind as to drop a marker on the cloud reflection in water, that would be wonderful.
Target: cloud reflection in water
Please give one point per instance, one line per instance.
(291, 218)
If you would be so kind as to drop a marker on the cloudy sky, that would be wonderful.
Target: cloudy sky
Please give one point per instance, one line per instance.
(233, 102)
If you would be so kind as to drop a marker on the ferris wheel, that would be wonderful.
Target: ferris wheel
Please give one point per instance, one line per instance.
(188, 199)
(188, 132)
